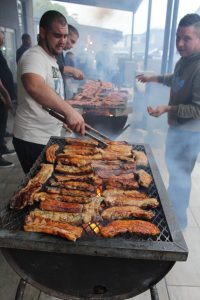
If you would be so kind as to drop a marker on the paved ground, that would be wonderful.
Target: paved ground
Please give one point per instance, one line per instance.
(181, 283)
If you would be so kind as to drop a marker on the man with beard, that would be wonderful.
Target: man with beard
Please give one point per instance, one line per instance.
(183, 137)
(40, 84)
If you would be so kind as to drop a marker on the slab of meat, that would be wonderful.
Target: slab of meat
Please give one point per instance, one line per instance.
(144, 178)
(138, 227)
(56, 205)
(75, 185)
(71, 170)
(51, 153)
(89, 178)
(141, 158)
(124, 193)
(69, 192)
(120, 200)
(115, 175)
(83, 143)
(62, 217)
(125, 212)
(73, 161)
(39, 224)
(122, 184)
(25, 196)
(42, 196)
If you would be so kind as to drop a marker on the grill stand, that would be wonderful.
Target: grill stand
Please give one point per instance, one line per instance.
(22, 285)
(20, 289)
(85, 277)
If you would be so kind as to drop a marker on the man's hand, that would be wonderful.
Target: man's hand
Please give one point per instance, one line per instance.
(78, 74)
(75, 121)
(146, 78)
(158, 111)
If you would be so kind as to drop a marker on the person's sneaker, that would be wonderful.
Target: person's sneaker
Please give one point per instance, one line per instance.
(6, 151)
(5, 164)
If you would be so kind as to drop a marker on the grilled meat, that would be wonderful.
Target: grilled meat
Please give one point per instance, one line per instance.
(55, 205)
(83, 143)
(144, 178)
(71, 170)
(78, 150)
(40, 224)
(115, 175)
(122, 183)
(141, 158)
(26, 195)
(124, 193)
(138, 227)
(51, 153)
(69, 192)
(82, 186)
(62, 217)
(125, 212)
(91, 210)
(42, 196)
(73, 161)
(89, 178)
(124, 201)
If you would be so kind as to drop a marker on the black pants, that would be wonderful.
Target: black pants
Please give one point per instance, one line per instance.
(27, 153)
(3, 122)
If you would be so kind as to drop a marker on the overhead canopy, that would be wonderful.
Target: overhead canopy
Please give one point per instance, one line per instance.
(127, 5)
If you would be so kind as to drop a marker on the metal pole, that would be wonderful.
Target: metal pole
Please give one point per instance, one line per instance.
(173, 36)
(20, 289)
(132, 29)
(154, 292)
(166, 36)
(147, 35)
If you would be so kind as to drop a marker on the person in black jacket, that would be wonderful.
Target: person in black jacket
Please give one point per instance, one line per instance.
(26, 44)
(7, 86)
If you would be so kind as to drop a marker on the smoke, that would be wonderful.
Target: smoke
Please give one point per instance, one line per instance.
(103, 14)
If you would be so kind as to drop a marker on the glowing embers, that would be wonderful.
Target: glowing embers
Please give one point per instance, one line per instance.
(99, 191)
(92, 228)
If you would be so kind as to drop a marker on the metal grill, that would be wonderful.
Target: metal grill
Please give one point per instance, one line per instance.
(12, 221)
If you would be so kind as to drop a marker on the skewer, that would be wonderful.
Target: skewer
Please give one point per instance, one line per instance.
(62, 119)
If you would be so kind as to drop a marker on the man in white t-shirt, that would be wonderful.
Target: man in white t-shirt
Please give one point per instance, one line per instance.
(40, 84)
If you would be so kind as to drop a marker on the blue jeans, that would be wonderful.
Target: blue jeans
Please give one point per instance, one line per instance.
(182, 149)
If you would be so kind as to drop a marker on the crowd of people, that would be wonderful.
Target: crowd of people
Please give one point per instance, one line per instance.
(42, 75)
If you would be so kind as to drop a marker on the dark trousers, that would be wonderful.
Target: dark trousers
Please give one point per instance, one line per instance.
(3, 122)
(27, 153)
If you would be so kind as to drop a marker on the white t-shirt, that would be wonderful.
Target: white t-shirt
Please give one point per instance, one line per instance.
(32, 122)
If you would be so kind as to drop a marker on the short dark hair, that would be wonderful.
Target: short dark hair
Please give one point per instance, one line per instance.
(189, 20)
(25, 36)
(50, 16)
(72, 29)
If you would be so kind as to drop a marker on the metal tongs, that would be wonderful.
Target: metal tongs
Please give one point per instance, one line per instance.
(87, 133)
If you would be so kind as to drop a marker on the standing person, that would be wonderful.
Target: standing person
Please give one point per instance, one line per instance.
(26, 44)
(183, 137)
(7, 91)
(40, 84)
(72, 38)
(5, 104)
(66, 70)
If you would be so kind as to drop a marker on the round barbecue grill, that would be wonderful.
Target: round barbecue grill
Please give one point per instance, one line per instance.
(93, 267)
(110, 125)
(86, 277)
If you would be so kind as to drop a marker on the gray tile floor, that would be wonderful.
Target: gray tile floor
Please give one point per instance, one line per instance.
(181, 283)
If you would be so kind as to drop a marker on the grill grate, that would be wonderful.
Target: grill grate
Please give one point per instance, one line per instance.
(14, 220)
